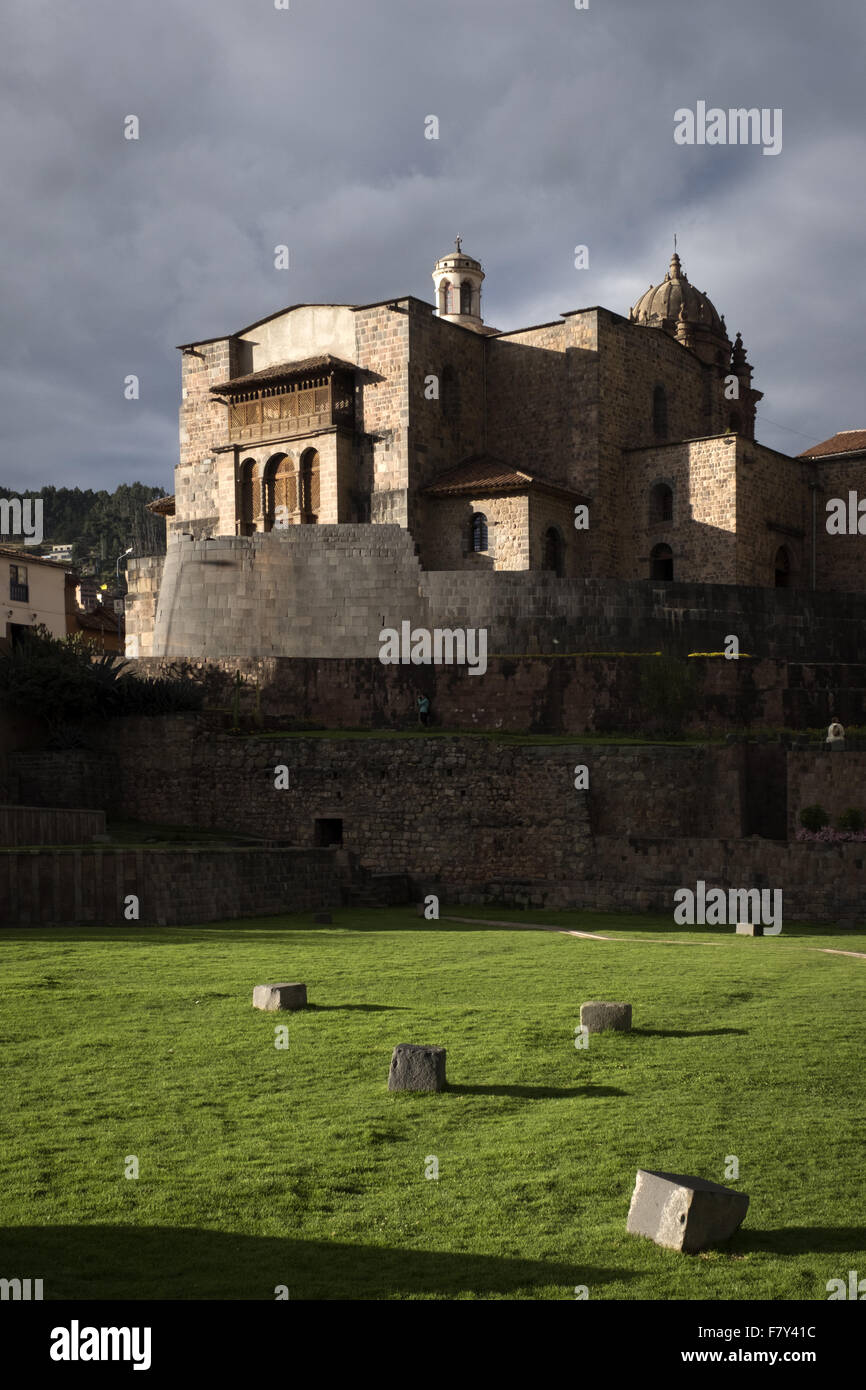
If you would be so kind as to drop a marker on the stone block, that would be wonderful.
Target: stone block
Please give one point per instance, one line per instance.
(597, 1016)
(273, 997)
(749, 929)
(683, 1213)
(415, 1068)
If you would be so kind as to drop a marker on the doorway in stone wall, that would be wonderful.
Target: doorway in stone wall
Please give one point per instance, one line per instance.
(765, 800)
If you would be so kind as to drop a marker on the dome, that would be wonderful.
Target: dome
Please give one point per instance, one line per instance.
(457, 260)
(665, 305)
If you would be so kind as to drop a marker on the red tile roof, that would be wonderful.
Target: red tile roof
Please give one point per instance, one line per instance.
(482, 474)
(161, 506)
(845, 442)
(280, 370)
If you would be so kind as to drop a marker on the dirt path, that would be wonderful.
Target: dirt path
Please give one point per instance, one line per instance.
(622, 941)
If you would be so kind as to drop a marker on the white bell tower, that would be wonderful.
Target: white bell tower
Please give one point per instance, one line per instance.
(457, 278)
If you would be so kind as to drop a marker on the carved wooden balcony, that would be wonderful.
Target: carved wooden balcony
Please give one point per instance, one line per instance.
(288, 409)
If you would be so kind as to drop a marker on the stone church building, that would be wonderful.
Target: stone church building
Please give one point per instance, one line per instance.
(345, 466)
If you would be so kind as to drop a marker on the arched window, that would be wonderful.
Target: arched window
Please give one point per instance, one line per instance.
(782, 567)
(309, 485)
(466, 298)
(445, 296)
(553, 552)
(661, 503)
(660, 413)
(478, 532)
(281, 492)
(661, 562)
(248, 508)
(268, 478)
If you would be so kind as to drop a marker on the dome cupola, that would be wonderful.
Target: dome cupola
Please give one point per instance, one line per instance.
(685, 313)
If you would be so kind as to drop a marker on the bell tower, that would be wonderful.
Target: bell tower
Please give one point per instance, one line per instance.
(457, 278)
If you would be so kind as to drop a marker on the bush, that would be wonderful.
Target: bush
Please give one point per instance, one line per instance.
(59, 681)
(852, 819)
(814, 818)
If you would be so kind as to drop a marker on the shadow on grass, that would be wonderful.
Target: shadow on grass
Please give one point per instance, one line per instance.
(536, 1092)
(689, 1032)
(802, 1240)
(152, 1262)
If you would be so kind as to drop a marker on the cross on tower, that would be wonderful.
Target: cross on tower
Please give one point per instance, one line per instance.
(458, 243)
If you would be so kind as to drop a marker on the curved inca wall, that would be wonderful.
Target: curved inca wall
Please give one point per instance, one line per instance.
(310, 591)
(328, 591)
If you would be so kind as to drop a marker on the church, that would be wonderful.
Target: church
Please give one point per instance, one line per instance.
(343, 458)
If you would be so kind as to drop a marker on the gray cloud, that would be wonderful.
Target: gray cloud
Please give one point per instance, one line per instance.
(306, 127)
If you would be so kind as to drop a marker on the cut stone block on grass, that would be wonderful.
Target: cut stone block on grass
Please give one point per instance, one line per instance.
(596, 1016)
(682, 1213)
(415, 1068)
(749, 929)
(273, 997)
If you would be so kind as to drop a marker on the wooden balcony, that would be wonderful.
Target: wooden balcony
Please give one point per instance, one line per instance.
(282, 411)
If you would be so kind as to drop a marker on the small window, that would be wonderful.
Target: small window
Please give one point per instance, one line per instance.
(19, 591)
(660, 413)
(328, 832)
(478, 532)
(661, 563)
(553, 553)
(466, 298)
(661, 503)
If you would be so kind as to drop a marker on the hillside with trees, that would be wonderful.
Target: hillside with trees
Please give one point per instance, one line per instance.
(100, 525)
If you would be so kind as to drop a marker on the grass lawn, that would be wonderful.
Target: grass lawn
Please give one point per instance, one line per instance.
(261, 1167)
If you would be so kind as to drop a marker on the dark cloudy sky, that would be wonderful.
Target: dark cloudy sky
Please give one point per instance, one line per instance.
(306, 127)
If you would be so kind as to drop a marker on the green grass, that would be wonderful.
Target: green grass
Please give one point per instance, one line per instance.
(261, 1167)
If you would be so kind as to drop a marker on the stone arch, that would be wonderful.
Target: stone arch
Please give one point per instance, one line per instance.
(309, 489)
(660, 412)
(553, 552)
(661, 502)
(782, 568)
(661, 563)
(280, 491)
(445, 296)
(247, 507)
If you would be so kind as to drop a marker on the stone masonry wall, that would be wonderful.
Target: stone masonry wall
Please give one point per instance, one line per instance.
(773, 511)
(818, 882)
(840, 558)
(324, 590)
(40, 825)
(83, 887)
(702, 534)
(203, 427)
(144, 577)
(834, 780)
(381, 410)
